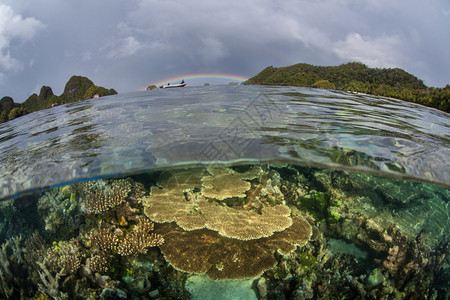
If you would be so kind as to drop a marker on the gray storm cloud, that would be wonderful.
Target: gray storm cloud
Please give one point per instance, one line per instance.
(130, 45)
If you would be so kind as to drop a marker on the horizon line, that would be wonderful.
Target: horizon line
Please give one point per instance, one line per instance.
(203, 76)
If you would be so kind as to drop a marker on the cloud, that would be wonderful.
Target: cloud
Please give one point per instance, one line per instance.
(171, 37)
(125, 47)
(383, 52)
(14, 27)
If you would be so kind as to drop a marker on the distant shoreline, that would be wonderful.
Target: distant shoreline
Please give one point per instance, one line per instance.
(357, 77)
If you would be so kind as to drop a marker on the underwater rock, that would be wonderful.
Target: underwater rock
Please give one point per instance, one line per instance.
(376, 278)
(140, 284)
(262, 288)
(113, 294)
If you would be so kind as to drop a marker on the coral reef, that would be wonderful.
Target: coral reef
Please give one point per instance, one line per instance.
(289, 231)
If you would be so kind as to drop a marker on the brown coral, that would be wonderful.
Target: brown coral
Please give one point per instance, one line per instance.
(168, 205)
(137, 240)
(204, 251)
(103, 240)
(102, 195)
(98, 263)
(100, 199)
(296, 235)
(64, 258)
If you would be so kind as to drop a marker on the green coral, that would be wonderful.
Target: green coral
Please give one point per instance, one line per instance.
(333, 214)
(315, 203)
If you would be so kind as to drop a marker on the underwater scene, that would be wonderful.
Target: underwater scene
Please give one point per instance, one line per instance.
(226, 192)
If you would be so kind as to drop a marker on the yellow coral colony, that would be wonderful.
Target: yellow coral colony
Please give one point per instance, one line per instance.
(168, 203)
(244, 224)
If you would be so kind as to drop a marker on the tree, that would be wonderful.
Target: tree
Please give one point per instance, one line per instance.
(323, 84)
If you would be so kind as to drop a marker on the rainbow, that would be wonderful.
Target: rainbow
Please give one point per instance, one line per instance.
(187, 77)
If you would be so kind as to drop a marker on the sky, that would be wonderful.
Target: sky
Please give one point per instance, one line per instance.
(128, 45)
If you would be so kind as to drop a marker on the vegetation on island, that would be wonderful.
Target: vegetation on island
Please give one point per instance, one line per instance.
(357, 77)
(77, 88)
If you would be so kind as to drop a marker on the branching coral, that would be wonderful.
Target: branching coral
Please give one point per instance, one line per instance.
(102, 199)
(103, 240)
(64, 258)
(59, 209)
(102, 195)
(137, 240)
(98, 263)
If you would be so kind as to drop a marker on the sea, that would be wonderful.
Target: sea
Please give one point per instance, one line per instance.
(226, 192)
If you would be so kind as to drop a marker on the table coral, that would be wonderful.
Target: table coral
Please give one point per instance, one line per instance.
(171, 202)
(226, 183)
(244, 224)
(205, 251)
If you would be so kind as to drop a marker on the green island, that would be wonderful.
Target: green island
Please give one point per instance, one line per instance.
(357, 77)
(77, 88)
(352, 76)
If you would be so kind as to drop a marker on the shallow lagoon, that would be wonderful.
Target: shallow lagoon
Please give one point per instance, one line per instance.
(256, 192)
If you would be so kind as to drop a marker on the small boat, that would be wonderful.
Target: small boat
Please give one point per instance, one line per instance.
(173, 85)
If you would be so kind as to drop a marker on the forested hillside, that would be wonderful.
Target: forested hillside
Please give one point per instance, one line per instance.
(357, 77)
(77, 88)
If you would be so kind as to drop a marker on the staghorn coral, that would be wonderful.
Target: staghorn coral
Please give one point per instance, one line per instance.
(64, 257)
(102, 195)
(205, 251)
(98, 263)
(137, 240)
(225, 183)
(101, 199)
(107, 242)
(103, 240)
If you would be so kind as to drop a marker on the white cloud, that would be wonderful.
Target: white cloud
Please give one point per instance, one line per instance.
(384, 51)
(14, 27)
(125, 47)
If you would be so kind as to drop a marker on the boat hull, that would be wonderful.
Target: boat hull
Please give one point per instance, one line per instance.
(172, 86)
